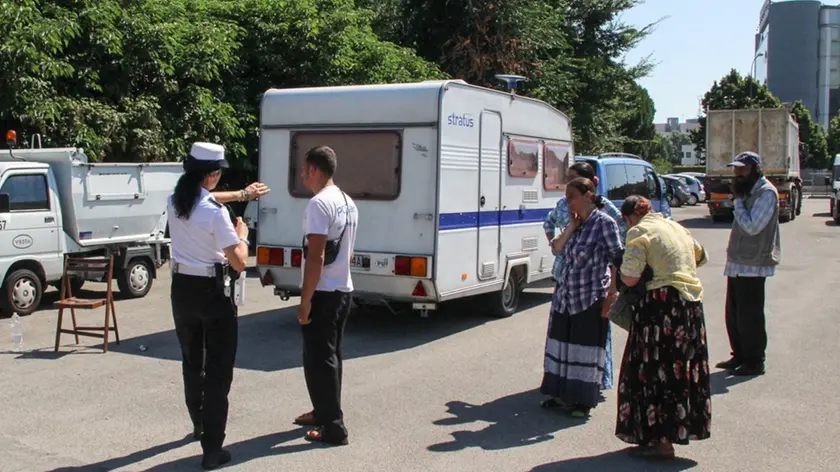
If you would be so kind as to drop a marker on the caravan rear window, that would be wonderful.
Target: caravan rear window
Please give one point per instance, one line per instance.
(368, 162)
(555, 165)
(522, 157)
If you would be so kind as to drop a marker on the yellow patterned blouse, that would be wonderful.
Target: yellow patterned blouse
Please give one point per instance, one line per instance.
(670, 250)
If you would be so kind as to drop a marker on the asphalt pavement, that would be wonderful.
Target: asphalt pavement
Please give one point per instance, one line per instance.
(454, 392)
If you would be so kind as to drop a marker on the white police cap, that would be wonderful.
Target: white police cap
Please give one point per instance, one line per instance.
(209, 153)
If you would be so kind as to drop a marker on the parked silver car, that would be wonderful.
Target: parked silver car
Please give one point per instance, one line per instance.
(695, 187)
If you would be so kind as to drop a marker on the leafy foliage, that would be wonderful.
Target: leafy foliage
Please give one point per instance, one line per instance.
(569, 50)
(833, 140)
(736, 92)
(730, 93)
(140, 80)
(814, 155)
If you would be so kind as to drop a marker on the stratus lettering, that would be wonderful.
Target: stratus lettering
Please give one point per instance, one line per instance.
(466, 120)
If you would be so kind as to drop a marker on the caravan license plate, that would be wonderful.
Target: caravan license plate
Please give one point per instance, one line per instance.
(360, 262)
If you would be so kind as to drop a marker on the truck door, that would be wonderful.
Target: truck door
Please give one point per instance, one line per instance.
(30, 228)
(489, 194)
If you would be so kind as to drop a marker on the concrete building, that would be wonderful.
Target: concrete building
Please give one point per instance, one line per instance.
(688, 155)
(673, 125)
(797, 54)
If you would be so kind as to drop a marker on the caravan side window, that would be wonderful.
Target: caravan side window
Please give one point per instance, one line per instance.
(555, 165)
(523, 157)
(368, 162)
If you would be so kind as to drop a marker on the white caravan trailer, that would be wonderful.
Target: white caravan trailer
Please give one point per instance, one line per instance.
(452, 182)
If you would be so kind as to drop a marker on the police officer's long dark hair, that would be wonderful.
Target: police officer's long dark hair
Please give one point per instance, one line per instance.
(187, 191)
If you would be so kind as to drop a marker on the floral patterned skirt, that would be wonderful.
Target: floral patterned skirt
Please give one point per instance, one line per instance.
(663, 387)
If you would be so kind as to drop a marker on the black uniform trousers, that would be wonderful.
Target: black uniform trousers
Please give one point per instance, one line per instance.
(745, 323)
(207, 327)
(322, 360)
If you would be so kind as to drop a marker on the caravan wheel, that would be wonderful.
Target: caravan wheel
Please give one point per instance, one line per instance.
(505, 303)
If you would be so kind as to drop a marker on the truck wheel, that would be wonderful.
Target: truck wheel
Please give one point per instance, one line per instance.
(23, 291)
(835, 213)
(831, 205)
(785, 213)
(135, 280)
(505, 303)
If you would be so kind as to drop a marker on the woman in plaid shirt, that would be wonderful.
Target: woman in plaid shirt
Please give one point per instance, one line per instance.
(577, 332)
(558, 219)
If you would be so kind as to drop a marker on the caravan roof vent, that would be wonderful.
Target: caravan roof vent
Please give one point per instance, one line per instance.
(510, 81)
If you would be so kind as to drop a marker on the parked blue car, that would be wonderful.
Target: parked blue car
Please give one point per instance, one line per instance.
(621, 175)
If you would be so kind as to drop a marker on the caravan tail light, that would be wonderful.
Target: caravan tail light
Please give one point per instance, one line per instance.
(274, 256)
(413, 266)
(297, 257)
(419, 290)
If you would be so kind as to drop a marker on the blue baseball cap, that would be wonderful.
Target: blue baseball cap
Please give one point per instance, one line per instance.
(746, 159)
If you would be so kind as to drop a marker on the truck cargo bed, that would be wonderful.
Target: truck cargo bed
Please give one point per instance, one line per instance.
(103, 203)
(770, 132)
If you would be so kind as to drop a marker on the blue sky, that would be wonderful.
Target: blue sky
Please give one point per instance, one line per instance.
(696, 43)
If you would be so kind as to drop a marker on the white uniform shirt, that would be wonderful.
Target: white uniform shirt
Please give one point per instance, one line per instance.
(199, 240)
(326, 213)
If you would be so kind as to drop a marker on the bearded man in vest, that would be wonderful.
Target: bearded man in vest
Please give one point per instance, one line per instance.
(753, 253)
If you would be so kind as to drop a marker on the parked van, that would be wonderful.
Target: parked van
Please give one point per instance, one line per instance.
(452, 182)
(621, 175)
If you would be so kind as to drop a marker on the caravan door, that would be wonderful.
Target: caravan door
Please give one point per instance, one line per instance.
(489, 194)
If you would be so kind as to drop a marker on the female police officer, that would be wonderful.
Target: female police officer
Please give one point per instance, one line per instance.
(205, 247)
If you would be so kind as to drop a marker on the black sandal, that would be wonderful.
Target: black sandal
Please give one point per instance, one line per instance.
(317, 435)
(554, 404)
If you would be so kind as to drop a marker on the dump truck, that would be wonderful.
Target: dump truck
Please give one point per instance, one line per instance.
(54, 202)
(773, 133)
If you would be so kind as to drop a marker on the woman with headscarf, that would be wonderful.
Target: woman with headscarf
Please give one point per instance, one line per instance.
(664, 396)
(577, 333)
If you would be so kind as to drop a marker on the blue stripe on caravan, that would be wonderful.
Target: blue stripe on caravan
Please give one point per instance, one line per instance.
(473, 219)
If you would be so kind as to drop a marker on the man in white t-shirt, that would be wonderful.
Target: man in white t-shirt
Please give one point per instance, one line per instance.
(329, 228)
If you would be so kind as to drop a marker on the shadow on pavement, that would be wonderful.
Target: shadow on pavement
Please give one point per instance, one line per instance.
(704, 223)
(616, 461)
(720, 381)
(516, 420)
(270, 341)
(826, 214)
(241, 452)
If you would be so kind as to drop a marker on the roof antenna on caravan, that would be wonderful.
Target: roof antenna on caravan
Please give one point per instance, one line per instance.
(510, 81)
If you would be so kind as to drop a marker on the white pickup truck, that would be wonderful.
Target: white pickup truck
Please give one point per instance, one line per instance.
(53, 202)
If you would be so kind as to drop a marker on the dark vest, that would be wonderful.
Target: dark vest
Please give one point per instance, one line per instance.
(763, 249)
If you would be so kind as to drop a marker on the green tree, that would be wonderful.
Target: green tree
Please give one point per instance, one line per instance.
(138, 81)
(815, 155)
(570, 51)
(833, 140)
(732, 92)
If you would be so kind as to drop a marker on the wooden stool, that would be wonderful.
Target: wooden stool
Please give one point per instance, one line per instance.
(83, 266)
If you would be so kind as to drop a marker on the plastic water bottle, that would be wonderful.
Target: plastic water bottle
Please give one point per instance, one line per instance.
(17, 334)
